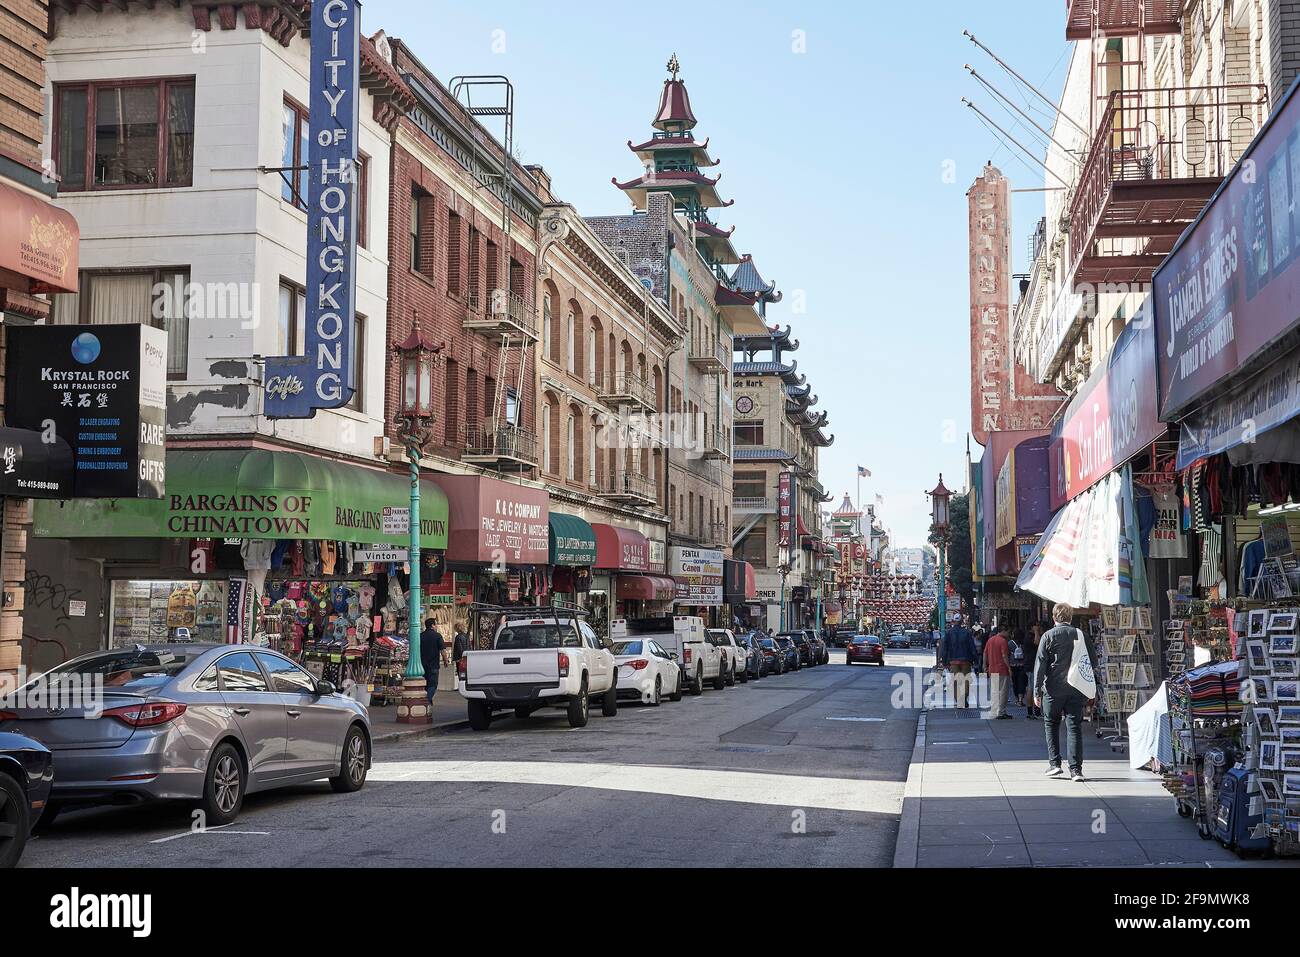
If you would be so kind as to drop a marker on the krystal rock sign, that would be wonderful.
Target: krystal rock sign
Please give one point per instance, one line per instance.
(322, 378)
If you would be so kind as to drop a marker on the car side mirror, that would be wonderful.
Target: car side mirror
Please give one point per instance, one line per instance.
(606, 643)
(673, 655)
(324, 688)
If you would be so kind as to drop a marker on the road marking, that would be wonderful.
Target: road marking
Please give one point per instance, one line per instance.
(208, 830)
(742, 787)
(848, 718)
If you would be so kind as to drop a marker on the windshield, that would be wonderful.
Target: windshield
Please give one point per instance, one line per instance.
(866, 640)
(525, 635)
(128, 669)
(627, 648)
(767, 642)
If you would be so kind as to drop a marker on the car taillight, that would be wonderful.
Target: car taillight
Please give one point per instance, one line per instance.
(686, 655)
(8, 715)
(146, 715)
(636, 665)
(564, 665)
(462, 667)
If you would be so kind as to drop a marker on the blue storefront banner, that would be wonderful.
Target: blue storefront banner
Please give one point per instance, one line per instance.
(323, 376)
(1265, 401)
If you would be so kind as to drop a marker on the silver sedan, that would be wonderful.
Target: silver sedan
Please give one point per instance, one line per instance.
(201, 723)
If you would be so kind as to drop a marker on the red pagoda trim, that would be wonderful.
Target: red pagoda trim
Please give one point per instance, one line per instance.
(674, 106)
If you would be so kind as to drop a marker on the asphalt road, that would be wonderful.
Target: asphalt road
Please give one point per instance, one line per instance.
(803, 769)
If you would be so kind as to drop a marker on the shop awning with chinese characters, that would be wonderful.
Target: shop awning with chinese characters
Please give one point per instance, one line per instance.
(645, 588)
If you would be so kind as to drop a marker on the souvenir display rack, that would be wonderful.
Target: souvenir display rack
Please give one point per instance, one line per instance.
(1125, 672)
(1205, 733)
(1269, 671)
(386, 664)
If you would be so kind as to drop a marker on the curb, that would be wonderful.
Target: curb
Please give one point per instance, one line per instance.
(907, 848)
(420, 732)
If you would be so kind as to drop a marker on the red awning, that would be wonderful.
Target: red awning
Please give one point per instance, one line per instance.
(751, 581)
(646, 587)
(621, 549)
(38, 240)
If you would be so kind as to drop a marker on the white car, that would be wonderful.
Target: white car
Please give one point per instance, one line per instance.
(646, 671)
(683, 637)
(736, 658)
(540, 658)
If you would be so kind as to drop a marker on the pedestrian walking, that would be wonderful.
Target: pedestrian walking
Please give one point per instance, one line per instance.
(431, 651)
(1033, 640)
(460, 643)
(957, 652)
(997, 663)
(980, 636)
(1019, 673)
(1063, 684)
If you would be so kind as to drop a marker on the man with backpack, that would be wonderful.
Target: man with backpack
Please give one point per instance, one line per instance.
(1063, 684)
(1019, 677)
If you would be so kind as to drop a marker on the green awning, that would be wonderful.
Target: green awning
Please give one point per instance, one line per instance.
(254, 493)
(573, 542)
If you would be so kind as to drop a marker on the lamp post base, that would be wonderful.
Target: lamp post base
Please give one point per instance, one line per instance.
(413, 708)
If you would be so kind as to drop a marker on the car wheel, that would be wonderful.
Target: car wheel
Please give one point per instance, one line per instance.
(609, 703)
(523, 713)
(15, 822)
(697, 686)
(480, 715)
(677, 689)
(578, 707)
(223, 787)
(355, 763)
(720, 682)
(659, 689)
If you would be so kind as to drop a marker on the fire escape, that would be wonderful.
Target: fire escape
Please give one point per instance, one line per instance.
(500, 441)
(1156, 155)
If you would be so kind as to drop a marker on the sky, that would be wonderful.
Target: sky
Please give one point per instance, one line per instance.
(847, 150)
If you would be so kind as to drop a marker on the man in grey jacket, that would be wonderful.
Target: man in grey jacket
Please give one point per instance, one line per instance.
(1059, 699)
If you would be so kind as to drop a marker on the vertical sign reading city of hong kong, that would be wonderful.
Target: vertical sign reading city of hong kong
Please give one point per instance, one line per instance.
(322, 378)
(1003, 396)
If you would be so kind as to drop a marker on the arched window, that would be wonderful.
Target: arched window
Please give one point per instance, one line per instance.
(546, 437)
(546, 325)
(571, 344)
(571, 440)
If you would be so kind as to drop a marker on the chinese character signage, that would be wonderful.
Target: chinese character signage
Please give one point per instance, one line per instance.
(104, 390)
(1004, 398)
(787, 505)
(322, 378)
(32, 468)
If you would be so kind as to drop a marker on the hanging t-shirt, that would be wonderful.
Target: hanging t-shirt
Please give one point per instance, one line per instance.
(181, 605)
(328, 556)
(1167, 539)
(339, 597)
(366, 597)
(256, 552)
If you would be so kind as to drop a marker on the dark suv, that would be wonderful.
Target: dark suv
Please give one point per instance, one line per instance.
(807, 658)
(821, 654)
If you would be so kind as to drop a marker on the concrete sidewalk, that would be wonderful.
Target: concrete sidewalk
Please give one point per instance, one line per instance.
(448, 712)
(976, 796)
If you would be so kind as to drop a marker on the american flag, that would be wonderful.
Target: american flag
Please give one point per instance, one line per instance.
(864, 472)
(236, 610)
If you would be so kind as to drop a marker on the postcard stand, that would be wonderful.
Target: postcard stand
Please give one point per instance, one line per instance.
(1126, 673)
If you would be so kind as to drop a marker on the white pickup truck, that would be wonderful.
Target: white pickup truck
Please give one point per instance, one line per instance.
(687, 640)
(735, 658)
(540, 658)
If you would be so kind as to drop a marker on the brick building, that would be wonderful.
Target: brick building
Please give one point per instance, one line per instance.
(38, 255)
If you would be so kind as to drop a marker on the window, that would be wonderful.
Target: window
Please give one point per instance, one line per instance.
(749, 433)
(451, 416)
(546, 325)
(294, 154)
(363, 200)
(159, 297)
(546, 437)
(125, 134)
(512, 406)
(239, 672)
(570, 334)
(286, 676)
(422, 215)
(291, 323)
(591, 356)
(453, 253)
(591, 456)
(358, 362)
(571, 438)
(207, 681)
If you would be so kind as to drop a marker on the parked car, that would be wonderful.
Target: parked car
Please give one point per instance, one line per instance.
(897, 641)
(820, 653)
(753, 654)
(734, 664)
(914, 638)
(685, 637)
(646, 671)
(203, 723)
(540, 658)
(800, 639)
(789, 652)
(774, 656)
(867, 649)
(26, 775)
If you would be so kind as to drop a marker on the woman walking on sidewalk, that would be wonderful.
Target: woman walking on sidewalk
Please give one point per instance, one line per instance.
(1019, 677)
(1031, 655)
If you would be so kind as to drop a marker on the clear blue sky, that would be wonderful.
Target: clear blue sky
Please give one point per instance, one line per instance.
(834, 156)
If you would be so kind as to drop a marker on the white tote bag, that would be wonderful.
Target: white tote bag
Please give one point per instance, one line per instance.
(1080, 674)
